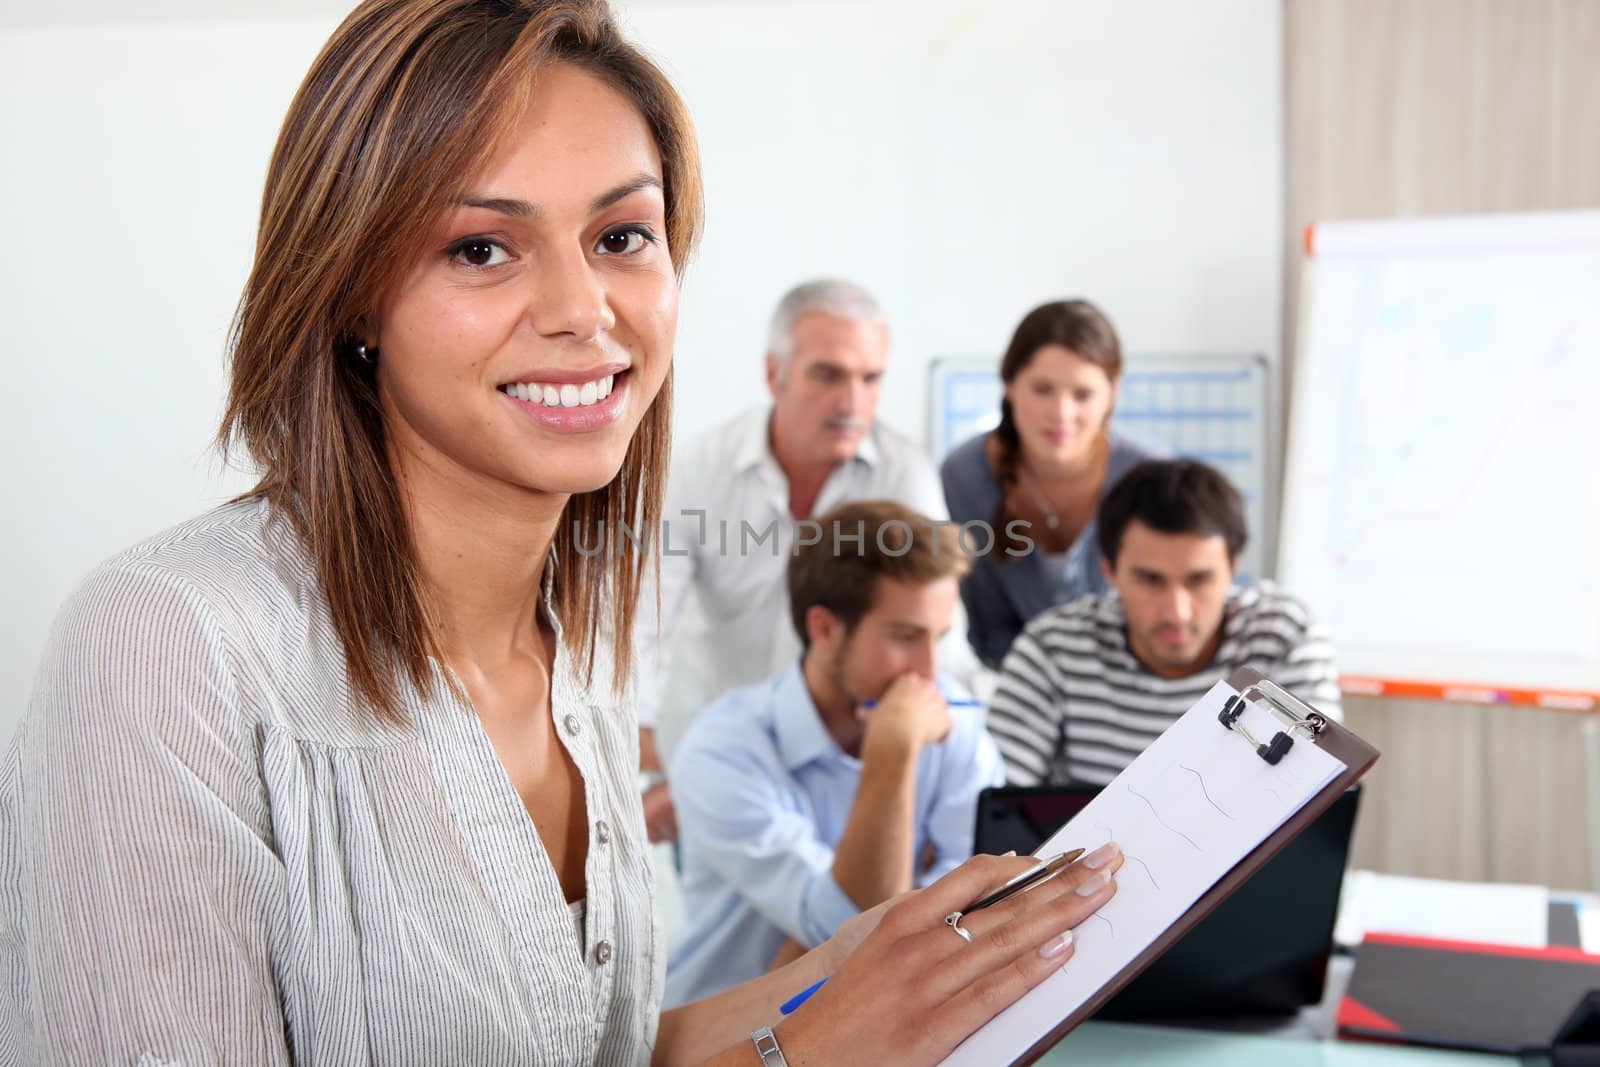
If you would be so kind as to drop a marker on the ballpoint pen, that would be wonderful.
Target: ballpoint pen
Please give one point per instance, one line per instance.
(1029, 878)
(947, 703)
(1026, 880)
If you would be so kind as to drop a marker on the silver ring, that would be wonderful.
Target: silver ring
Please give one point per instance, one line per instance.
(953, 921)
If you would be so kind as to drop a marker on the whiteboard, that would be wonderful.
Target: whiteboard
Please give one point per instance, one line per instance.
(1210, 408)
(1441, 502)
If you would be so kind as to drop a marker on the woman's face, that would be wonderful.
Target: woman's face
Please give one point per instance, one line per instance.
(527, 343)
(1059, 402)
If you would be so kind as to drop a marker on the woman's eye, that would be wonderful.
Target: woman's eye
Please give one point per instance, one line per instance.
(479, 252)
(623, 242)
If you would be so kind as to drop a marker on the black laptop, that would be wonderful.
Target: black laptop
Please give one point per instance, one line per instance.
(1263, 951)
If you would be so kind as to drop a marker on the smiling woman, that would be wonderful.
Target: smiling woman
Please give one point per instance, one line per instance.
(343, 771)
(438, 112)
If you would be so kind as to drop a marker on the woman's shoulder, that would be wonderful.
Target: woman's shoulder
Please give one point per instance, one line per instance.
(225, 606)
(227, 581)
(970, 489)
(967, 465)
(1128, 449)
(158, 622)
(240, 551)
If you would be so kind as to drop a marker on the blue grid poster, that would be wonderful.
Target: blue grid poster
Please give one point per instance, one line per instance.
(1212, 408)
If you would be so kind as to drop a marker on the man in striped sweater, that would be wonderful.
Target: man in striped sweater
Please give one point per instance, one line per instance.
(1088, 685)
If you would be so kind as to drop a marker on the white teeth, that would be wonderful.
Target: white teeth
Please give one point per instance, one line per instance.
(563, 396)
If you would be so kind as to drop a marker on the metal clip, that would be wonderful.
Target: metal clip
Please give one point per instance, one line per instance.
(1286, 706)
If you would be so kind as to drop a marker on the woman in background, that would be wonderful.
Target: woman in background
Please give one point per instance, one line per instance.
(343, 771)
(1049, 463)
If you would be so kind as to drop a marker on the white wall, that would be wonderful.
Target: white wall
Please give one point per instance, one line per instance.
(968, 167)
(962, 165)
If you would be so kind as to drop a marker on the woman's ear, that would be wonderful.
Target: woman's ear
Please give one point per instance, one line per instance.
(1111, 404)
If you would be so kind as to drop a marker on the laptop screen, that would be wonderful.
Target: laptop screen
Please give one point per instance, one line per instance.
(1014, 818)
(1263, 951)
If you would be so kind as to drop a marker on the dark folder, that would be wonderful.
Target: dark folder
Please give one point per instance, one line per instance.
(1495, 998)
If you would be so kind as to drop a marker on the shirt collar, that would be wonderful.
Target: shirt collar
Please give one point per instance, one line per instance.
(797, 724)
(867, 451)
(1233, 611)
(750, 446)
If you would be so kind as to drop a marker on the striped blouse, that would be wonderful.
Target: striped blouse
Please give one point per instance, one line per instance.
(1074, 705)
(212, 852)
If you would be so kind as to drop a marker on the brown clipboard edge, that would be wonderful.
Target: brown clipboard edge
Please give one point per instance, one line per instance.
(1358, 757)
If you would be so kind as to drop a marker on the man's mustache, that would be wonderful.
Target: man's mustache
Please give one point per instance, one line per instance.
(845, 422)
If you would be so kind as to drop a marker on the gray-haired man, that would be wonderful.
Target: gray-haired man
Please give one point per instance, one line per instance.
(738, 498)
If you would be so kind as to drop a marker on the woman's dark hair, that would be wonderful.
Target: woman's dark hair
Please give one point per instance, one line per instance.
(1080, 328)
(1173, 496)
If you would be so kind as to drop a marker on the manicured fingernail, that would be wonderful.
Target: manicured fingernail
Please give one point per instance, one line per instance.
(1095, 883)
(1008, 855)
(1050, 950)
(1101, 856)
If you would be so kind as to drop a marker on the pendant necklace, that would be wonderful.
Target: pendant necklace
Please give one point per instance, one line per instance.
(1052, 518)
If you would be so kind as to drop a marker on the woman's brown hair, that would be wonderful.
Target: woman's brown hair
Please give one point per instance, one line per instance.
(1080, 328)
(406, 103)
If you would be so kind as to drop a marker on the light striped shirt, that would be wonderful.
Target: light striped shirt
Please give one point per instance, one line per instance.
(1075, 706)
(212, 852)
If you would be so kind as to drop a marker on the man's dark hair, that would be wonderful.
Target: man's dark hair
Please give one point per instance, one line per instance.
(859, 543)
(1173, 496)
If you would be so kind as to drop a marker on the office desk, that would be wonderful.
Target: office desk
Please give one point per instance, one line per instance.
(1305, 1041)
(1102, 1044)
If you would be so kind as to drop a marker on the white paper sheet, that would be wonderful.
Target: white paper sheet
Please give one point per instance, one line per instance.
(1589, 927)
(1194, 804)
(1431, 907)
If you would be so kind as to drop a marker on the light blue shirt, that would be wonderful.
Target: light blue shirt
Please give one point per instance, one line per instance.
(762, 794)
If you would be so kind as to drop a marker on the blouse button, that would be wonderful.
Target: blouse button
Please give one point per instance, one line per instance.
(572, 725)
(602, 953)
(602, 832)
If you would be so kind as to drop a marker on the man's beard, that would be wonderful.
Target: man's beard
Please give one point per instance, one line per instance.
(842, 688)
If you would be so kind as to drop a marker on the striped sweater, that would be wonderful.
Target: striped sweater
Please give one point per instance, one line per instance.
(1074, 705)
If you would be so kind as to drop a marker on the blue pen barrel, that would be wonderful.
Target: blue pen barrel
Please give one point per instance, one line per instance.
(949, 703)
(800, 998)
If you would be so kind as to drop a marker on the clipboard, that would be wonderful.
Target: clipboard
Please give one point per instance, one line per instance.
(1298, 723)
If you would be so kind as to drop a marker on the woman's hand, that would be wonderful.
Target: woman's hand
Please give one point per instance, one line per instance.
(845, 940)
(913, 989)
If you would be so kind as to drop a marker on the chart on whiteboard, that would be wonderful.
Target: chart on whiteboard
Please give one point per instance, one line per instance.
(1441, 503)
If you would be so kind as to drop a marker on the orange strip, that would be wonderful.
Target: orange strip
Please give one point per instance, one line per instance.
(1310, 238)
(1470, 693)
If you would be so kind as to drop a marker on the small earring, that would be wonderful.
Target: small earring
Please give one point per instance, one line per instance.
(363, 353)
